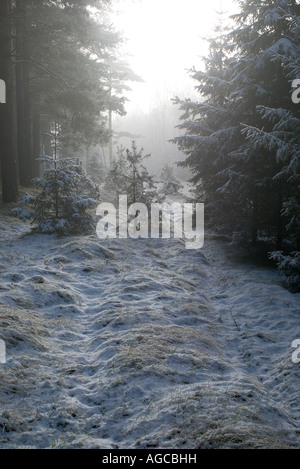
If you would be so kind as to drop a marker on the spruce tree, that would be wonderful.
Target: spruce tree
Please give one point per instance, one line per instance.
(130, 177)
(245, 180)
(66, 196)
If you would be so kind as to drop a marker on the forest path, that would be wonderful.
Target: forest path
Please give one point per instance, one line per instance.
(135, 344)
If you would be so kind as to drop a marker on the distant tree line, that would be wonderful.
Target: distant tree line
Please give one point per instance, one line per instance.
(59, 60)
(242, 139)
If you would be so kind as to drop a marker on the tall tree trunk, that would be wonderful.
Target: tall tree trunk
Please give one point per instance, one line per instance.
(254, 221)
(110, 126)
(23, 168)
(279, 223)
(8, 162)
(36, 144)
(23, 98)
(28, 125)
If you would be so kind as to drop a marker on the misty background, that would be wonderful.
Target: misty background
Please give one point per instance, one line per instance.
(163, 41)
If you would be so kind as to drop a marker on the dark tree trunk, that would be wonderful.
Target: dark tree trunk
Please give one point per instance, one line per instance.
(254, 222)
(36, 144)
(23, 98)
(279, 223)
(8, 161)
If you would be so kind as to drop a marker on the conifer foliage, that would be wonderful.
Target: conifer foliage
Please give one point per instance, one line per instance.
(130, 177)
(61, 63)
(66, 196)
(242, 137)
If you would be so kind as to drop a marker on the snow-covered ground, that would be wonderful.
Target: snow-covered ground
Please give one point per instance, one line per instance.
(143, 344)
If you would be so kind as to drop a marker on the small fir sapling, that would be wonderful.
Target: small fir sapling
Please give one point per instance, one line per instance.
(130, 177)
(66, 196)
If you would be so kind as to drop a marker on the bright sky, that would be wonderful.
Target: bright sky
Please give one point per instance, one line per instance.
(165, 37)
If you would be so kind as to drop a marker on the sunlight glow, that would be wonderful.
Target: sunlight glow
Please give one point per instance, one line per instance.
(165, 39)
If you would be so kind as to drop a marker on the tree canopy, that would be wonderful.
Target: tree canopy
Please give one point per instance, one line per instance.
(62, 57)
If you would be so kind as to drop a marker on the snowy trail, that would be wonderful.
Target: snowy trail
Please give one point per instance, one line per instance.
(135, 344)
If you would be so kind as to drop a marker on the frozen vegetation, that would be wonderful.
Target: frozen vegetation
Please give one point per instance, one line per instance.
(146, 344)
(143, 344)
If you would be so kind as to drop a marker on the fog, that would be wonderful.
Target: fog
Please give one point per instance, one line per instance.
(164, 40)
